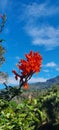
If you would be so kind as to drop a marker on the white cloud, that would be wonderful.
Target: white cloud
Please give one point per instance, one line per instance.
(45, 35)
(34, 80)
(51, 64)
(12, 81)
(41, 33)
(38, 10)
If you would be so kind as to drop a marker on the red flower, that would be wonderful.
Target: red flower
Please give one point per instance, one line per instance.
(29, 66)
(26, 86)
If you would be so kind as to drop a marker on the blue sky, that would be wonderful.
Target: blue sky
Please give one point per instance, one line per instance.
(31, 25)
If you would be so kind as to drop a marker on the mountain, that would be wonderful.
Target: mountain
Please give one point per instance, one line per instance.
(47, 84)
(12, 92)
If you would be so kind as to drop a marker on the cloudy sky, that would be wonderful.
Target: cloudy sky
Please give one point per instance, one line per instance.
(31, 25)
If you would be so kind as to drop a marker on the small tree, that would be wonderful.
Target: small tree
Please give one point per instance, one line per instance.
(3, 20)
(3, 75)
(2, 49)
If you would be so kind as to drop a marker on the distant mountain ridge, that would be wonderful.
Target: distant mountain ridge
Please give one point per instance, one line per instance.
(8, 93)
(47, 84)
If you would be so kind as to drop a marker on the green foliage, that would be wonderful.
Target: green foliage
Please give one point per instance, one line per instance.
(24, 116)
(31, 113)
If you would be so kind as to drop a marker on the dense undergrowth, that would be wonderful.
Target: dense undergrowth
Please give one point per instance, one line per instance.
(32, 113)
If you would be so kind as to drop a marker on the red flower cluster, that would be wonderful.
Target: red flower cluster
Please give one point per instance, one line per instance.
(31, 65)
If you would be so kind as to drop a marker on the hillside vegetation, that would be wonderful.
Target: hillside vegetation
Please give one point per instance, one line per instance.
(31, 112)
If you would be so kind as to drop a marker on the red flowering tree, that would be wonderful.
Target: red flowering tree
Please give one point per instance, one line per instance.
(28, 67)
